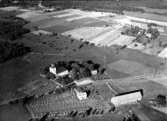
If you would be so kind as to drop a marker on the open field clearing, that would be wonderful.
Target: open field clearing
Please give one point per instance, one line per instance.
(37, 18)
(116, 74)
(29, 14)
(59, 12)
(86, 32)
(65, 18)
(11, 8)
(100, 35)
(65, 15)
(121, 40)
(147, 16)
(137, 56)
(58, 28)
(76, 18)
(157, 11)
(85, 21)
(136, 46)
(105, 92)
(104, 36)
(150, 88)
(14, 112)
(45, 23)
(98, 23)
(130, 67)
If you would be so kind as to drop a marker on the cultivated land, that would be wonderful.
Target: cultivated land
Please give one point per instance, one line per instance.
(71, 28)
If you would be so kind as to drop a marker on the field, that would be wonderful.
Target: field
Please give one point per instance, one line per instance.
(49, 49)
(16, 112)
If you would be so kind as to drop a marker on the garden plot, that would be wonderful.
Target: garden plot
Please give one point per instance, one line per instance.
(106, 35)
(58, 28)
(110, 38)
(131, 67)
(50, 23)
(85, 21)
(93, 13)
(64, 15)
(10, 8)
(121, 40)
(38, 18)
(146, 16)
(76, 18)
(29, 14)
(99, 40)
(85, 33)
(52, 14)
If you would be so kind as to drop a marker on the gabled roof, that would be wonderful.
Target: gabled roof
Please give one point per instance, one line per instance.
(124, 93)
(60, 69)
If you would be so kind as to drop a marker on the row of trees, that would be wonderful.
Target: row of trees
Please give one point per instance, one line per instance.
(12, 28)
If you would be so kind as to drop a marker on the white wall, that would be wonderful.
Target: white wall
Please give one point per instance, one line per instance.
(126, 99)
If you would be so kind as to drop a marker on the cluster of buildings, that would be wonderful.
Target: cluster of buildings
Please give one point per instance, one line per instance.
(69, 101)
(79, 100)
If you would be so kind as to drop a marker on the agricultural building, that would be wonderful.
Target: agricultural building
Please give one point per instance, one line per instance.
(127, 98)
(80, 94)
(163, 53)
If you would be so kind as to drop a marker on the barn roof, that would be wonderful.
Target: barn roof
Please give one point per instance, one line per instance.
(124, 93)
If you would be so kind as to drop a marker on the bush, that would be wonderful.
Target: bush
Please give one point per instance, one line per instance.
(80, 46)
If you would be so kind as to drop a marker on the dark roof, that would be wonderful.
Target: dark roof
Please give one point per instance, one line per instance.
(124, 93)
(60, 69)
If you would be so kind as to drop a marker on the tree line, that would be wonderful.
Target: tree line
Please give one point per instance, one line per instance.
(10, 50)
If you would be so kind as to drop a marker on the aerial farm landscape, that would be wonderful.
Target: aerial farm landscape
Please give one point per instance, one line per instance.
(83, 60)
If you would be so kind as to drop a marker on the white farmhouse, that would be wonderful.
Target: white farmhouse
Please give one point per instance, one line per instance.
(58, 71)
(52, 69)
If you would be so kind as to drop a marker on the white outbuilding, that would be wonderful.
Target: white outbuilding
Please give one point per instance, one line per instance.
(163, 53)
(80, 94)
(127, 98)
